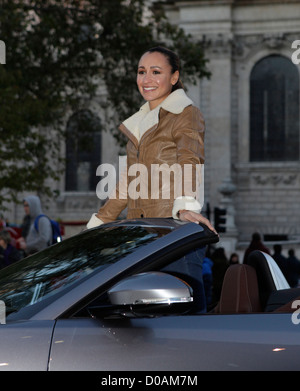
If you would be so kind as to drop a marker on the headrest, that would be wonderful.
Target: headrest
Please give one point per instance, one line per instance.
(239, 291)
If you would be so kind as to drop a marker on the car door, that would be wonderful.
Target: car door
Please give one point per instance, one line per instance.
(25, 345)
(177, 343)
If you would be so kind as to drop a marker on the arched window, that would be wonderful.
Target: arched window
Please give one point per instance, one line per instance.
(83, 148)
(274, 110)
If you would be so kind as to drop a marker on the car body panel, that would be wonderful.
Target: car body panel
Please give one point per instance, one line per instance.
(197, 342)
(24, 346)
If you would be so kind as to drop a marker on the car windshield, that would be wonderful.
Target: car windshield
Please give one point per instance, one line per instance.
(42, 274)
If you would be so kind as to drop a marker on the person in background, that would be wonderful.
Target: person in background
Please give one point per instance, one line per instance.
(255, 244)
(294, 263)
(36, 239)
(234, 259)
(290, 266)
(8, 253)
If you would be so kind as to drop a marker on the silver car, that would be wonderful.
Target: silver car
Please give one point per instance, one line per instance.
(103, 301)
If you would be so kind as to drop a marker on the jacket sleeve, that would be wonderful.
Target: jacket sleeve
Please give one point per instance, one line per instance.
(188, 132)
(115, 204)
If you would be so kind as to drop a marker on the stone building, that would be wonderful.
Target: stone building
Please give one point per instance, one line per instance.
(251, 108)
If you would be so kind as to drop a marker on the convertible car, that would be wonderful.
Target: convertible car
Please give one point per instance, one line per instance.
(107, 300)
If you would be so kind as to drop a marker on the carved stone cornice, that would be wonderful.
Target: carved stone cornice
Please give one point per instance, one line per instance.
(274, 40)
(243, 45)
(274, 179)
(239, 46)
(268, 175)
(217, 44)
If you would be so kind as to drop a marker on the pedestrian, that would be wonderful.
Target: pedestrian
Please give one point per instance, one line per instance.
(255, 244)
(234, 259)
(8, 253)
(40, 238)
(292, 256)
(278, 256)
(167, 130)
(290, 266)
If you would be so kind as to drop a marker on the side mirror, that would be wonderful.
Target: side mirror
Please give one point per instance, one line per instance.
(151, 294)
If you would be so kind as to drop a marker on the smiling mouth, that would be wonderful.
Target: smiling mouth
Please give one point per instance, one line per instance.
(149, 88)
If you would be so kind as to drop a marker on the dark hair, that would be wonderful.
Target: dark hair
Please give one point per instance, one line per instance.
(173, 60)
(277, 248)
(291, 252)
(256, 237)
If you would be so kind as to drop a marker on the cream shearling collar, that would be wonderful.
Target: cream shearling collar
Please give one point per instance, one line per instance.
(145, 118)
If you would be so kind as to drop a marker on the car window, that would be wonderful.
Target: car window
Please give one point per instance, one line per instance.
(45, 273)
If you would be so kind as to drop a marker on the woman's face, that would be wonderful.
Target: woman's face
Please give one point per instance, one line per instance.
(155, 78)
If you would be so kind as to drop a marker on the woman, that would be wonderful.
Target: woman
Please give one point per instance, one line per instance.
(167, 130)
(166, 133)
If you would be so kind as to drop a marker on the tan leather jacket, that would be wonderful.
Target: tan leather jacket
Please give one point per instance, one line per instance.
(168, 140)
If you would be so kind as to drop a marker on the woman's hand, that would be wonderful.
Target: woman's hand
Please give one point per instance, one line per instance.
(194, 217)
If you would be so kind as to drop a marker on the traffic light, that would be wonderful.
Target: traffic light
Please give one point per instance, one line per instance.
(220, 219)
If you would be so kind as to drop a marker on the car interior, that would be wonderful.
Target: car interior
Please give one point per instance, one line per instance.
(251, 288)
